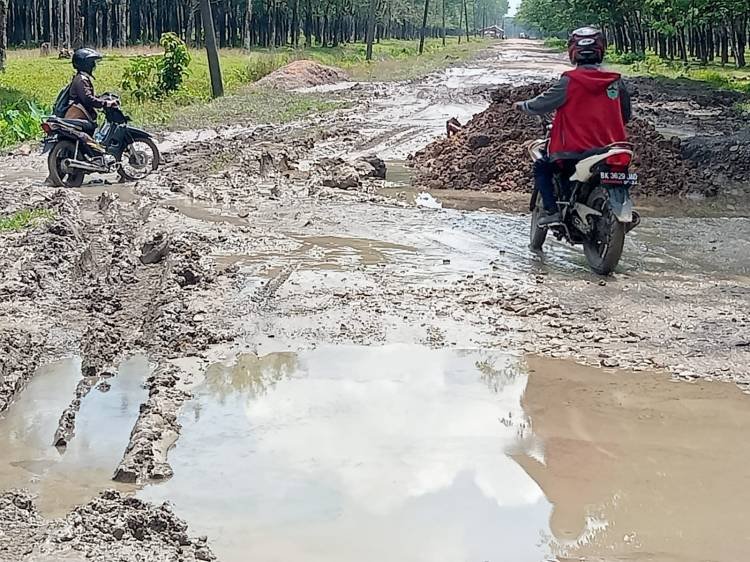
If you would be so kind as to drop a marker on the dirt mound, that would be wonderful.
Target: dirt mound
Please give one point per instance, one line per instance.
(727, 156)
(488, 153)
(110, 527)
(303, 74)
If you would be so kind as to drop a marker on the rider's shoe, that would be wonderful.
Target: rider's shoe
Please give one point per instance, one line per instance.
(550, 219)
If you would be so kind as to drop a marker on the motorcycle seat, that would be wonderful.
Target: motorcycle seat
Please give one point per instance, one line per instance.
(84, 125)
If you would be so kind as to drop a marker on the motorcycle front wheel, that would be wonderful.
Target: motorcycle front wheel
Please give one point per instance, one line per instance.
(59, 175)
(537, 235)
(139, 159)
(603, 249)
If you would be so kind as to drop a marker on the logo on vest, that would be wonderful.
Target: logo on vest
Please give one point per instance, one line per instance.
(613, 92)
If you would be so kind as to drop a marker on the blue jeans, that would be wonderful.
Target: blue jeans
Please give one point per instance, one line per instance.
(544, 171)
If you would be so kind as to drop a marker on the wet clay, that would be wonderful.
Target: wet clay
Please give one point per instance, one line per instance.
(662, 467)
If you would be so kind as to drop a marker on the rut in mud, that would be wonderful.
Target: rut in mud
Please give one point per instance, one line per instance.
(263, 281)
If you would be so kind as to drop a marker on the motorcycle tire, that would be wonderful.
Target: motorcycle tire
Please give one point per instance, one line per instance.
(604, 250)
(58, 177)
(537, 235)
(125, 176)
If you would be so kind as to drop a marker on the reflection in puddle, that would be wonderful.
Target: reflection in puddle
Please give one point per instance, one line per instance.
(409, 454)
(333, 253)
(333, 454)
(103, 425)
(662, 465)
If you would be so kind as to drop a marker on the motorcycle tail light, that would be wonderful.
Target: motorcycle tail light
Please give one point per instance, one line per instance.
(46, 128)
(621, 160)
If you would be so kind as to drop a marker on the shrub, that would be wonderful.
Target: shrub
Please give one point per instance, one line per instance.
(625, 58)
(154, 77)
(556, 43)
(19, 122)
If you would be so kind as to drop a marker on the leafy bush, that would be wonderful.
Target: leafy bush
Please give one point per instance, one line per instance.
(651, 64)
(173, 65)
(140, 78)
(625, 58)
(20, 122)
(155, 77)
(556, 43)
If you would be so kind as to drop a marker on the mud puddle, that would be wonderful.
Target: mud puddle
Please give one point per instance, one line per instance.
(65, 478)
(330, 454)
(332, 253)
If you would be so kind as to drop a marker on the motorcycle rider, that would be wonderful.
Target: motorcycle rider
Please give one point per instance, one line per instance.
(592, 107)
(83, 101)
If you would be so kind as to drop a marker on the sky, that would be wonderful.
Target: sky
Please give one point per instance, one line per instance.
(513, 7)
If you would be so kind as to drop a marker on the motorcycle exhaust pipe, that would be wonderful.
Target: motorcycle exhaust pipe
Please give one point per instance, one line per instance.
(85, 166)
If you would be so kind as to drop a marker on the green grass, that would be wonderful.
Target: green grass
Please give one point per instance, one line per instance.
(21, 219)
(31, 81)
(722, 77)
(556, 43)
(253, 105)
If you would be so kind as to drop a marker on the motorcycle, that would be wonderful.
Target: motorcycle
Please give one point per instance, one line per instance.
(594, 203)
(76, 148)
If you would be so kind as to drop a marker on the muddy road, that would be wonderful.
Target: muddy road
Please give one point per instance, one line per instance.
(305, 358)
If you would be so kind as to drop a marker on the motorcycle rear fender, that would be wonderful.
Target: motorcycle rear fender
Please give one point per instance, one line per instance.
(621, 203)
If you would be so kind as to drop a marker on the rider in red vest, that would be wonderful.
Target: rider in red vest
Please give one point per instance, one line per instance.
(592, 107)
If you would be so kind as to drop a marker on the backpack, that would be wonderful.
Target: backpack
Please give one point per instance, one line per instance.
(62, 103)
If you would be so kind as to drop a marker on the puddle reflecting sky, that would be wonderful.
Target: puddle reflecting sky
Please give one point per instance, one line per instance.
(396, 453)
(65, 479)
(408, 454)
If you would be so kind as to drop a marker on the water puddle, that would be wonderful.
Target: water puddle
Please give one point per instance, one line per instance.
(103, 425)
(410, 454)
(321, 253)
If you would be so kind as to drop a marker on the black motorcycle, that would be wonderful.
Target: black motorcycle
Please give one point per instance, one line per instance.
(76, 148)
(593, 197)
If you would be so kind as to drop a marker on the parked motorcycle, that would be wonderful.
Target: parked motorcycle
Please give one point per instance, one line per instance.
(594, 203)
(76, 148)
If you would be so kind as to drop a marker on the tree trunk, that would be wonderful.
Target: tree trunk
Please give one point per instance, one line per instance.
(424, 26)
(724, 46)
(466, 19)
(60, 11)
(3, 31)
(247, 25)
(217, 87)
(444, 30)
(370, 33)
(295, 24)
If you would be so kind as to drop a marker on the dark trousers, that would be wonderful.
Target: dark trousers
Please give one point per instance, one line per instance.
(544, 171)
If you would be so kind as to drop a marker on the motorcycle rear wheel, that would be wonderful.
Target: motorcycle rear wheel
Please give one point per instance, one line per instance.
(604, 249)
(537, 235)
(61, 178)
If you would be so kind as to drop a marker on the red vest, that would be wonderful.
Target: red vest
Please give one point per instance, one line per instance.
(591, 116)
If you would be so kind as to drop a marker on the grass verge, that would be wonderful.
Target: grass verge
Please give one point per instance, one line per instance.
(21, 219)
(24, 97)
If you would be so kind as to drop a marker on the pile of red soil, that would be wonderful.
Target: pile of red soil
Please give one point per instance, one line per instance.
(488, 153)
(303, 74)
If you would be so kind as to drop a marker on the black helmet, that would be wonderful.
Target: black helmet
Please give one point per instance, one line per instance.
(587, 45)
(85, 60)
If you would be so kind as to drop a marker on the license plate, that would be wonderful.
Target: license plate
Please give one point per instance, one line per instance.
(618, 178)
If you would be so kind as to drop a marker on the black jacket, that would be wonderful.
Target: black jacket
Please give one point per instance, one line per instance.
(82, 94)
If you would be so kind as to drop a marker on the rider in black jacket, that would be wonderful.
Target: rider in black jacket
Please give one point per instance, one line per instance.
(83, 100)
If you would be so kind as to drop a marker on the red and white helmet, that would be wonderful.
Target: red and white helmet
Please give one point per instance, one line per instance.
(587, 45)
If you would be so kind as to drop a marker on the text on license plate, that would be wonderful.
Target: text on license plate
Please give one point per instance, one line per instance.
(620, 178)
